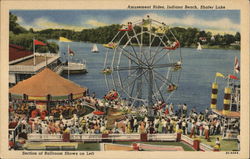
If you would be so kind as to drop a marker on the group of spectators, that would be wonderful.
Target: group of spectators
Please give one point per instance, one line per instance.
(168, 118)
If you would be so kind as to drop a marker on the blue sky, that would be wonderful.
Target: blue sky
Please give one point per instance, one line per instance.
(216, 21)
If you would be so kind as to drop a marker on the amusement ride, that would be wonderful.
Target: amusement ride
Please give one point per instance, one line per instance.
(143, 62)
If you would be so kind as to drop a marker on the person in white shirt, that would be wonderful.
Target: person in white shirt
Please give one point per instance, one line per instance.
(217, 142)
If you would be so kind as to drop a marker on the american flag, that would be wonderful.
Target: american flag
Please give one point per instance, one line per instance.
(71, 52)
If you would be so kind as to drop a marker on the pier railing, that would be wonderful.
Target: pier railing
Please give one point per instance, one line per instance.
(31, 68)
(21, 68)
(47, 54)
(58, 69)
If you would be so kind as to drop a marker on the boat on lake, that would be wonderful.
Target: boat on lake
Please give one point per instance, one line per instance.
(199, 48)
(74, 67)
(94, 49)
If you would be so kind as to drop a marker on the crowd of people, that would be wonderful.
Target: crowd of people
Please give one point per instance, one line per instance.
(70, 117)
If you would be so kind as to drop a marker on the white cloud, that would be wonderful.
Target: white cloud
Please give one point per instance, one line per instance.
(45, 23)
(20, 20)
(223, 24)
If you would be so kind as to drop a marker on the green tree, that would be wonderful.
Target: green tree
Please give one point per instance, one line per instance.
(229, 39)
(14, 26)
(237, 36)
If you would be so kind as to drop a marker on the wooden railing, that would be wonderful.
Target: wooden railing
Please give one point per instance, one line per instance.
(44, 137)
(190, 141)
(117, 137)
(206, 147)
(187, 139)
(47, 54)
(162, 137)
(58, 69)
(100, 137)
(86, 137)
(23, 68)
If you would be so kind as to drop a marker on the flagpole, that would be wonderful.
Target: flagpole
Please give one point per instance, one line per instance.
(46, 63)
(34, 50)
(68, 61)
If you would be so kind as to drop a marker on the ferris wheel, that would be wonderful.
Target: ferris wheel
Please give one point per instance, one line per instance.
(143, 62)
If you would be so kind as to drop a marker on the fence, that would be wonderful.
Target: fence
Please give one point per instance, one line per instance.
(86, 137)
(58, 69)
(100, 137)
(187, 139)
(205, 147)
(202, 146)
(162, 137)
(46, 54)
(44, 137)
(24, 68)
(117, 137)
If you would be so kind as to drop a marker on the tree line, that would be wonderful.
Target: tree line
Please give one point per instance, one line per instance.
(20, 36)
(188, 37)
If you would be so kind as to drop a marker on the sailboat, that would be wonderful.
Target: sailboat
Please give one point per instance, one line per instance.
(94, 49)
(199, 47)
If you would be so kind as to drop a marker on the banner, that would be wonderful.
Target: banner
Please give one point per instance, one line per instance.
(218, 74)
(36, 42)
(62, 39)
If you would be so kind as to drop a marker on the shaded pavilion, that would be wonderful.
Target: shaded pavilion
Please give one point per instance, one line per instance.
(46, 86)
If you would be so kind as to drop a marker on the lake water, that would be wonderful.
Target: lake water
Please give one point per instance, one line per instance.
(198, 73)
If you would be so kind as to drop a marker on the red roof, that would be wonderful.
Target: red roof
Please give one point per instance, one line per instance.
(16, 52)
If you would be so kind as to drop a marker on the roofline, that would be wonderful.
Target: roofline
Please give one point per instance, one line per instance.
(20, 59)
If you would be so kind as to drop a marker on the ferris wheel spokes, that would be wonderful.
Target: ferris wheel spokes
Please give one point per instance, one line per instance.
(158, 53)
(136, 78)
(113, 59)
(128, 56)
(132, 44)
(154, 94)
(144, 64)
(140, 44)
(162, 78)
(157, 88)
(135, 51)
(160, 58)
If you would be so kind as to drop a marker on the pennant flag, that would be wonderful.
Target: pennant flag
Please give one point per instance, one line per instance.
(236, 65)
(218, 74)
(62, 39)
(36, 42)
(233, 77)
(71, 52)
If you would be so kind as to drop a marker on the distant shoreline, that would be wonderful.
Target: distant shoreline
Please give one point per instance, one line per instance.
(217, 47)
(231, 47)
